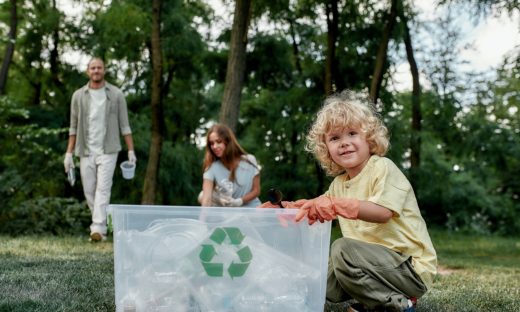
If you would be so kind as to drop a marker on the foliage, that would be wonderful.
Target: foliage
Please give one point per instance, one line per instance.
(470, 143)
(46, 215)
(26, 163)
(276, 136)
(182, 160)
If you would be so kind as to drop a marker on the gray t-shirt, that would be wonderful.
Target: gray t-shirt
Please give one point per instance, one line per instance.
(245, 172)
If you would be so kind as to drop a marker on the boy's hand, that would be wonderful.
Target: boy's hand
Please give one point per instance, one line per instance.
(284, 204)
(268, 204)
(293, 204)
(318, 209)
(284, 219)
(325, 208)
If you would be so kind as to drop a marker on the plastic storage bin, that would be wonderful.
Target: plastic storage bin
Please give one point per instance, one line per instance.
(173, 258)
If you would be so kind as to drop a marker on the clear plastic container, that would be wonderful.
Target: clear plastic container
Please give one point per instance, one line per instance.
(127, 169)
(173, 258)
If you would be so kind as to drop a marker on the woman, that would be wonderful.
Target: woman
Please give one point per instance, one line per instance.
(231, 176)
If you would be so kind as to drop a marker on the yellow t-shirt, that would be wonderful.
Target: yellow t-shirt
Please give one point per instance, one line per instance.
(381, 182)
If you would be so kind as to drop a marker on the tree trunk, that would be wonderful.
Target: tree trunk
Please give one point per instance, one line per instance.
(296, 52)
(331, 9)
(54, 53)
(379, 68)
(415, 138)
(9, 50)
(154, 157)
(236, 65)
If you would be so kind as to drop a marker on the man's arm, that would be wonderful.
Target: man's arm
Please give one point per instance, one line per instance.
(71, 143)
(68, 162)
(130, 145)
(129, 142)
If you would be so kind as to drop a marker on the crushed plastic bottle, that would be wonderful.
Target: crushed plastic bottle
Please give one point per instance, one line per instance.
(226, 187)
(71, 176)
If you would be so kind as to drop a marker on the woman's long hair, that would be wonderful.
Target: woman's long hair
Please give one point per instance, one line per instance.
(232, 154)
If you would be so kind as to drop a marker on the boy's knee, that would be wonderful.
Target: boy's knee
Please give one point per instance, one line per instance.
(339, 249)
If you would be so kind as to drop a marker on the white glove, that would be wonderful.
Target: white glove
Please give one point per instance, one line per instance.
(131, 157)
(68, 162)
(232, 202)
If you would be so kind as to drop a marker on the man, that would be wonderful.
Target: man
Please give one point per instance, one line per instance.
(98, 116)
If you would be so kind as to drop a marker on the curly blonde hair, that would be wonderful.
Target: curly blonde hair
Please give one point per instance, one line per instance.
(343, 110)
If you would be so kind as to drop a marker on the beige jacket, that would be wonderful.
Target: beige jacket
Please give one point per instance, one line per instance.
(116, 121)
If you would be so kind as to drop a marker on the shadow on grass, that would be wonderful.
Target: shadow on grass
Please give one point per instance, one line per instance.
(69, 279)
(47, 273)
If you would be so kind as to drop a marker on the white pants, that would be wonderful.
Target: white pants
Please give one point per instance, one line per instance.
(97, 172)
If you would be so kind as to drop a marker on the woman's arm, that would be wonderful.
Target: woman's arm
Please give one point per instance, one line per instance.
(207, 192)
(255, 190)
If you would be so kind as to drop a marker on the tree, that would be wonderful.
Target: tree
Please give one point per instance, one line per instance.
(230, 106)
(415, 136)
(331, 12)
(54, 51)
(10, 47)
(150, 180)
(486, 7)
(379, 68)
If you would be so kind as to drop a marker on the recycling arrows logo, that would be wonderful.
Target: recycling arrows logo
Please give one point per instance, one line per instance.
(218, 238)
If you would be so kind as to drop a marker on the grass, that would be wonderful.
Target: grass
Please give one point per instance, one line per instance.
(477, 273)
(46, 273)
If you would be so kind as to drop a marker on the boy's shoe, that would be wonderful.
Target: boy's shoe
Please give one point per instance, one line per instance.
(412, 304)
(336, 306)
(358, 307)
(97, 237)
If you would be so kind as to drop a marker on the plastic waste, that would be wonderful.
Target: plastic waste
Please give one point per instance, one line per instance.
(226, 188)
(232, 260)
(71, 176)
(128, 169)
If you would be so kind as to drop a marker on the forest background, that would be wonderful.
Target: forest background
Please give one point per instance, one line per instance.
(455, 134)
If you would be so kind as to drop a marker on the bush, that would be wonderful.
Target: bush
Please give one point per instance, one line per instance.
(54, 215)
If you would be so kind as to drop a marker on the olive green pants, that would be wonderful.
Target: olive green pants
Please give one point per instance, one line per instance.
(371, 274)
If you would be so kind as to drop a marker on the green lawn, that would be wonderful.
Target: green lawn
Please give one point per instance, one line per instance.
(477, 273)
(45, 273)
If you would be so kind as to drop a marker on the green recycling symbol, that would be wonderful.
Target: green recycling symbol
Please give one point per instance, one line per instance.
(208, 252)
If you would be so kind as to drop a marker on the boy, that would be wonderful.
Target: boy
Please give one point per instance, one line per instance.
(385, 259)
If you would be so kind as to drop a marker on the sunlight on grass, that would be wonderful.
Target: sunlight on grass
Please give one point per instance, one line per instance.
(47, 273)
(52, 247)
(481, 273)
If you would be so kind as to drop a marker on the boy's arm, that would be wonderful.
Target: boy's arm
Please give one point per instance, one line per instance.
(370, 212)
(326, 208)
